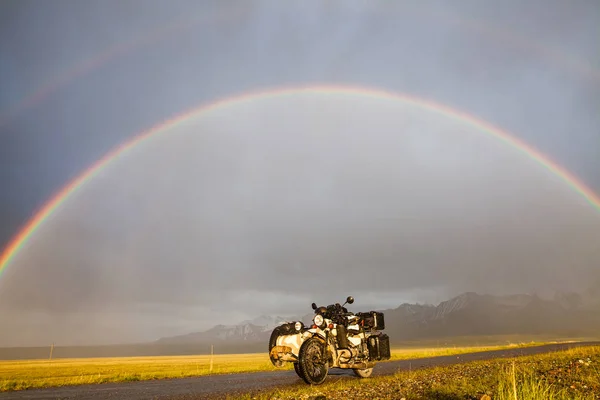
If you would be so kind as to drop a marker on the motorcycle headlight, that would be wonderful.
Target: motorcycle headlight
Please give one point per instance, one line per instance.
(298, 325)
(318, 320)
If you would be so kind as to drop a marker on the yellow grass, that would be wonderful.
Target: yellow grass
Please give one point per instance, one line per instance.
(564, 375)
(19, 375)
(412, 353)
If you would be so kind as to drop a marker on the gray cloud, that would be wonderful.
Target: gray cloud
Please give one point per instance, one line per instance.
(301, 196)
(267, 206)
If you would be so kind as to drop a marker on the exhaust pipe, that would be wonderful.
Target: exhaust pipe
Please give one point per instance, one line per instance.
(358, 365)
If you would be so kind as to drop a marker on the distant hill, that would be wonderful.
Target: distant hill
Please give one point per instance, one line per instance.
(475, 314)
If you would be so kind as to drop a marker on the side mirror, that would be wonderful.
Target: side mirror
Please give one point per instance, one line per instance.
(314, 306)
(350, 300)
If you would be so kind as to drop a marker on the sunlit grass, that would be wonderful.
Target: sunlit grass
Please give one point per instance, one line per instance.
(19, 375)
(413, 353)
(566, 375)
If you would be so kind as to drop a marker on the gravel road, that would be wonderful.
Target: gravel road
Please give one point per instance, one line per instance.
(218, 386)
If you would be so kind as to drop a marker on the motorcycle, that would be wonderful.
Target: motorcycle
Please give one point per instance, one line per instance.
(336, 339)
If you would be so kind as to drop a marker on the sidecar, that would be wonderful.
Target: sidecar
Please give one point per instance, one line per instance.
(285, 342)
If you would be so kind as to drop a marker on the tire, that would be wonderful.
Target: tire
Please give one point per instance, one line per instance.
(273, 343)
(313, 369)
(363, 373)
(297, 369)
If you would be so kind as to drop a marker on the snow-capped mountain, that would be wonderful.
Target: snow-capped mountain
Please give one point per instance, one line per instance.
(257, 329)
(268, 323)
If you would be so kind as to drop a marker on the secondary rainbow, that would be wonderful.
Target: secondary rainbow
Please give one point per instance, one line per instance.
(479, 27)
(51, 206)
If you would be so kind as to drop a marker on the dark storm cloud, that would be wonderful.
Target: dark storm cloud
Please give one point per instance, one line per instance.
(262, 210)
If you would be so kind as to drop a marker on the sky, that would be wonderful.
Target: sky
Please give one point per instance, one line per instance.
(263, 206)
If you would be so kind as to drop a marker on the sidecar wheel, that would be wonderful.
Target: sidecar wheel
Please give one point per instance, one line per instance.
(273, 343)
(363, 373)
(297, 369)
(311, 365)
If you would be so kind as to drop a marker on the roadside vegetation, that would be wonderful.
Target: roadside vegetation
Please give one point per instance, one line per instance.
(570, 375)
(20, 375)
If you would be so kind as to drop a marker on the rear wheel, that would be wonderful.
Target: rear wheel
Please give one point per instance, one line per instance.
(363, 373)
(313, 367)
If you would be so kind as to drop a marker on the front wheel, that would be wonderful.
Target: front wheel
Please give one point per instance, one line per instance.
(313, 365)
(363, 373)
(297, 369)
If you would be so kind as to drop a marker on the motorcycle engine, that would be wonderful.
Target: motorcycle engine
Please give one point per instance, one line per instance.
(347, 354)
(355, 348)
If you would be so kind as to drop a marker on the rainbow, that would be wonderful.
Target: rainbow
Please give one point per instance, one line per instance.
(59, 198)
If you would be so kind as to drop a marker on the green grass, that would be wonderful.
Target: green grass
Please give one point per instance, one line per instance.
(19, 375)
(566, 375)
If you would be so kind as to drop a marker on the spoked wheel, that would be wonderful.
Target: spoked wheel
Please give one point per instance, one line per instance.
(297, 369)
(272, 343)
(312, 366)
(363, 373)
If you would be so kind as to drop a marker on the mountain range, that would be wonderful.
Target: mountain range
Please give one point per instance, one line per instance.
(469, 314)
(469, 318)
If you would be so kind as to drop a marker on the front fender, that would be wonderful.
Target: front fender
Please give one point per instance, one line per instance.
(315, 332)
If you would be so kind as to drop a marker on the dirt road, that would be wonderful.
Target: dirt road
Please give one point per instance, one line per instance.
(218, 386)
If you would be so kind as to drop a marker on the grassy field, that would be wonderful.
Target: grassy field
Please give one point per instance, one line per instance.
(19, 375)
(566, 375)
(423, 352)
